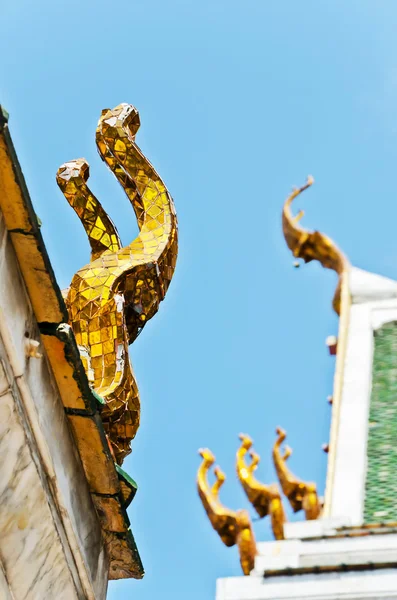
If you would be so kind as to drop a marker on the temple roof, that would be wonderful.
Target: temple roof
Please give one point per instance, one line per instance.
(111, 488)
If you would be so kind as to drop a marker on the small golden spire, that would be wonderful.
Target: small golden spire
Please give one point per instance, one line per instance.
(301, 495)
(266, 499)
(232, 527)
(312, 245)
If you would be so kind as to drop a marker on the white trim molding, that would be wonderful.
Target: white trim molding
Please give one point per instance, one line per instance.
(374, 303)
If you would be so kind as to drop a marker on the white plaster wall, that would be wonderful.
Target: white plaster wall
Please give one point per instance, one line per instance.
(369, 585)
(298, 530)
(328, 552)
(350, 459)
(293, 554)
(42, 482)
(374, 302)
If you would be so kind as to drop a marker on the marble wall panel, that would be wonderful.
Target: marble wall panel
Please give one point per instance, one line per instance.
(68, 492)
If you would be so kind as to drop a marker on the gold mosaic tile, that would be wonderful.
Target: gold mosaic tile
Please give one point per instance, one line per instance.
(112, 298)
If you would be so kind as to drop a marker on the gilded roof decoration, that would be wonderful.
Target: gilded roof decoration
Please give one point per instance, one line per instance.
(301, 495)
(312, 245)
(112, 297)
(233, 527)
(266, 499)
(317, 246)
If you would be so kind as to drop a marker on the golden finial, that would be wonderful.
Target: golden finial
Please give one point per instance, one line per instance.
(312, 245)
(266, 499)
(233, 527)
(301, 495)
(112, 297)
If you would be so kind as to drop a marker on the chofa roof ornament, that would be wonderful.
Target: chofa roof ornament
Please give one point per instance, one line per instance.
(233, 527)
(301, 495)
(266, 499)
(112, 297)
(313, 245)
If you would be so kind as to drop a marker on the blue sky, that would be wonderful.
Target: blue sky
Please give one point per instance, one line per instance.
(239, 101)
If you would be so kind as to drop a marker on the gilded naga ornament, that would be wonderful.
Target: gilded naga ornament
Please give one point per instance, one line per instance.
(266, 499)
(233, 527)
(313, 245)
(112, 297)
(301, 495)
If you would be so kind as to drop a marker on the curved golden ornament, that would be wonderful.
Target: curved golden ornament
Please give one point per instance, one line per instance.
(317, 246)
(301, 495)
(313, 245)
(233, 527)
(112, 298)
(266, 499)
(246, 541)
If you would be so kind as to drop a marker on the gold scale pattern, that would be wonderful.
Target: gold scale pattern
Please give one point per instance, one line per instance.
(112, 297)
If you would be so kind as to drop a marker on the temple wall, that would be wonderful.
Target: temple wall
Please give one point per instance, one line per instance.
(374, 303)
(50, 536)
